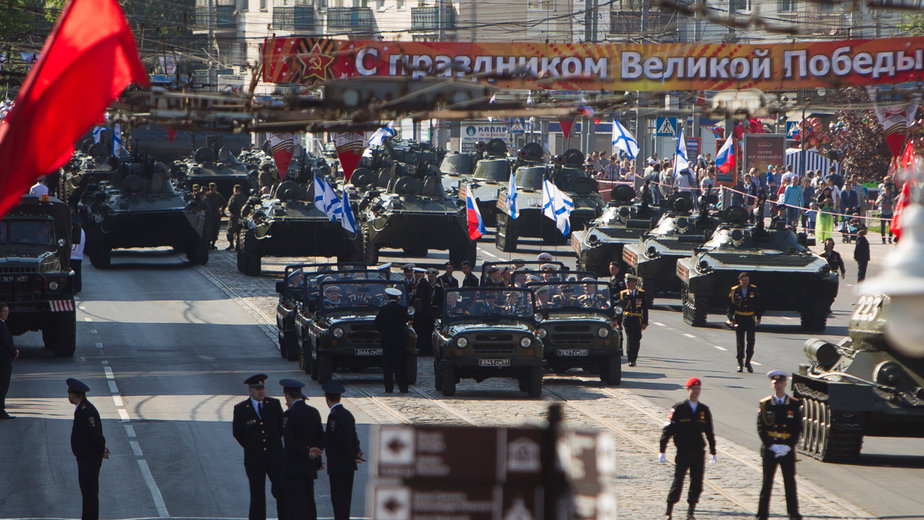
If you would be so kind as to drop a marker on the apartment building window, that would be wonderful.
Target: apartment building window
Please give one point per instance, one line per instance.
(741, 5)
(786, 6)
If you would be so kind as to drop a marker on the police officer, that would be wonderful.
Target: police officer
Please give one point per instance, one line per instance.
(688, 421)
(468, 278)
(617, 278)
(88, 446)
(744, 314)
(342, 448)
(304, 442)
(391, 321)
(634, 304)
(779, 425)
(257, 427)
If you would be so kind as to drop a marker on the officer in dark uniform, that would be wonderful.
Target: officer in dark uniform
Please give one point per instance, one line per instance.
(494, 279)
(427, 289)
(688, 421)
(617, 278)
(8, 353)
(234, 207)
(342, 448)
(304, 443)
(409, 278)
(447, 280)
(634, 304)
(88, 446)
(468, 278)
(391, 321)
(779, 425)
(257, 427)
(744, 312)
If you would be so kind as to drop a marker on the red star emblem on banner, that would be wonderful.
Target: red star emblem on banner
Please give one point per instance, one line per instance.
(316, 63)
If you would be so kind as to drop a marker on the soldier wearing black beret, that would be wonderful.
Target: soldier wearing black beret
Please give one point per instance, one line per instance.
(88, 446)
(342, 448)
(257, 426)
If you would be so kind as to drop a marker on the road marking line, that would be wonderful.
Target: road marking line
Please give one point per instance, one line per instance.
(99, 345)
(720, 348)
(658, 323)
(104, 362)
(756, 363)
(117, 399)
(113, 388)
(108, 371)
(87, 318)
(129, 431)
(93, 331)
(206, 358)
(136, 448)
(152, 486)
(689, 335)
(124, 415)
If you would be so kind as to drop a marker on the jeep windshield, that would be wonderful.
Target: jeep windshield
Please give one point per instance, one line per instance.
(27, 233)
(486, 303)
(357, 296)
(573, 297)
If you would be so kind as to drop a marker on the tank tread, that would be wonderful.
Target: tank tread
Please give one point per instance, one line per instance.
(695, 308)
(829, 436)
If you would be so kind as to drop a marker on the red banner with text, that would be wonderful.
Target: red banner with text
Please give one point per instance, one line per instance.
(574, 66)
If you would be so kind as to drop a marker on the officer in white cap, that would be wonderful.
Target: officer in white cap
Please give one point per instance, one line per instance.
(779, 425)
(391, 321)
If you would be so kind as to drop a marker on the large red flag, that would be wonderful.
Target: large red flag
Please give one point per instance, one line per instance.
(88, 59)
(896, 225)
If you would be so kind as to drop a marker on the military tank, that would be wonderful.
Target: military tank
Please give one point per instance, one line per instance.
(407, 208)
(872, 382)
(789, 276)
(135, 205)
(286, 223)
(209, 165)
(621, 223)
(567, 173)
(491, 173)
(678, 232)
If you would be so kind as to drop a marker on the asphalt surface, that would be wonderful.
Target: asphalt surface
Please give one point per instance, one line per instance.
(165, 350)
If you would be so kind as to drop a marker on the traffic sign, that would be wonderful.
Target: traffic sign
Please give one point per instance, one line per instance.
(666, 127)
(792, 129)
(471, 502)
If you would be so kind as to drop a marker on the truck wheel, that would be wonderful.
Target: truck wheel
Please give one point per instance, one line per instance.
(309, 356)
(370, 251)
(437, 376)
(325, 368)
(248, 256)
(291, 347)
(63, 329)
(412, 369)
(198, 251)
(814, 318)
(523, 383)
(535, 382)
(100, 253)
(448, 381)
(611, 373)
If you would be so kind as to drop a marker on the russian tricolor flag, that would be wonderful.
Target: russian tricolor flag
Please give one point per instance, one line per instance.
(475, 224)
(725, 158)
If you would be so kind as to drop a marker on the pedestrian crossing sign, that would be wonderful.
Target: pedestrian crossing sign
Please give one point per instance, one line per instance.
(666, 127)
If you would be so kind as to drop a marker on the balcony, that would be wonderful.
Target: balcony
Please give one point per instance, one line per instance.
(223, 18)
(662, 26)
(300, 18)
(355, 20)
(429, 19)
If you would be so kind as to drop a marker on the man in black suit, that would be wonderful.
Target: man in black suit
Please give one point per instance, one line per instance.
(304, 442)
(8, 353)
(447, 280)
(88, 446)
(342, 448)
(391, 322)
(257, 426)
(468, 278)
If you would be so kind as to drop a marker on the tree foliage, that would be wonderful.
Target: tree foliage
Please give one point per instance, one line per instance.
(855, 138)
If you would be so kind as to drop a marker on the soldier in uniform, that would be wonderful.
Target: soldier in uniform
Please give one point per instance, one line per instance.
(452, 303)
(257, 427)
(617, 278)
(88, 446)
(8, 354)
(744, 314)
(342, 448)
(234, 207)
(468, 278)
(447, 280)
(409, 279)
(634, 305)
(688, 421)
(427, 292)
(332, 297)
(214, 203)
(779, 425)
(495, 278)
(391, 321)
(304, 442)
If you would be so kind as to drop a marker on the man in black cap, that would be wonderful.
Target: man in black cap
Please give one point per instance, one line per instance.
(495, 279)
(744, 312)
(8, 353)
(88, 446)
(391, 322)
(634, 305)
(304, 442)
(342, 448)
(257, 426)
(779, 425)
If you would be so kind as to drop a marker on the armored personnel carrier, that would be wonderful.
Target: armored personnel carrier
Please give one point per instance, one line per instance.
(789, 276)
(568, 175)
(207, 166)
(491, 173)
(456, 166)
(654, 257)
(286, 223)
(35, 272)
(408, 209)
(136, 206)
(621, 223)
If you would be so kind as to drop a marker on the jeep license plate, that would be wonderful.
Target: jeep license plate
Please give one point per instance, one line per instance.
(494, 362)
(368, 352)
(572, 352)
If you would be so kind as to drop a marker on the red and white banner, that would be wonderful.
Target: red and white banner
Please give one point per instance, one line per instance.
(283, 146)
(349, 147)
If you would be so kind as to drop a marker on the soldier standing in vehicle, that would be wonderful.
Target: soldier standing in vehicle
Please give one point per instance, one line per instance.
(234, 207)
(744, 312)
(342, 448)
(779, 425)
(688, 421)
(304, 443)
(634, 304)
(391, 322)
(257, 427)
(88, 446)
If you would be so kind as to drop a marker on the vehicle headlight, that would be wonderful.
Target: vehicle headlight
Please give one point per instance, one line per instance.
(337, 332)
(651, 252)
(617, 311)
(541, 333)
(525, 342)
(603, 332)
(53, 286)
(462, 342)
